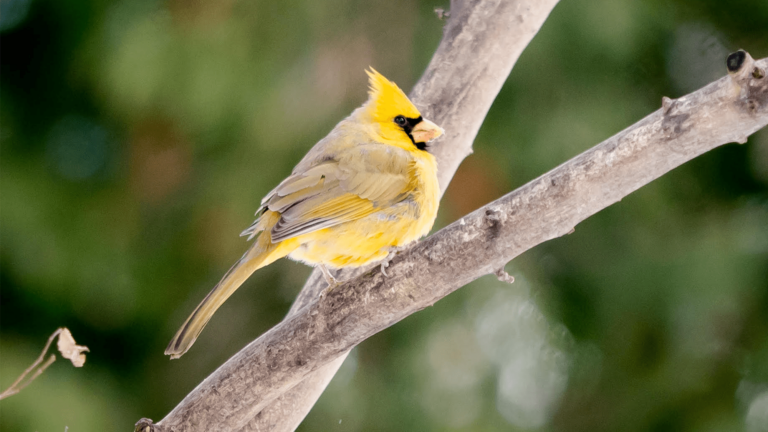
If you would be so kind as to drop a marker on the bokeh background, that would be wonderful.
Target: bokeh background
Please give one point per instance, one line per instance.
(138, 136)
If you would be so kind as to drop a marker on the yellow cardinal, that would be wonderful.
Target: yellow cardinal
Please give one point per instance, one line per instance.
(366, 188)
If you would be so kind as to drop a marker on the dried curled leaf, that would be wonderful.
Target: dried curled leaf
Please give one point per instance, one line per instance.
(69, 349)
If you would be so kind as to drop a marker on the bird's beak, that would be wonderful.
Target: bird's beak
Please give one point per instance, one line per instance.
(426, 131)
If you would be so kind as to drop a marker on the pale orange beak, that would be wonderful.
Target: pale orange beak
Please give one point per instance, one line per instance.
(426, 131)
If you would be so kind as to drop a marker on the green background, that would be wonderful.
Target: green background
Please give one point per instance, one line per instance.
(137, 138)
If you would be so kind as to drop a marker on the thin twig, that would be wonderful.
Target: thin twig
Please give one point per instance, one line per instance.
(16, 386)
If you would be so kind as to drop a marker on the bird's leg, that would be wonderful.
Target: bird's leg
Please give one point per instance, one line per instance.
(332, 281)
(392, 252)
(327, 275)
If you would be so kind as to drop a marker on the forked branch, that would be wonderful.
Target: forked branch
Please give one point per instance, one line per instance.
(727, 110)
(67, 348)
(256, 386)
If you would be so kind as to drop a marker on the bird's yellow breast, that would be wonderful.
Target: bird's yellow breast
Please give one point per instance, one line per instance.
(370, 238)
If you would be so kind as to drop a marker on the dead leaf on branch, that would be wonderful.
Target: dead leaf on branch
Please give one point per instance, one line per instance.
(68, 349)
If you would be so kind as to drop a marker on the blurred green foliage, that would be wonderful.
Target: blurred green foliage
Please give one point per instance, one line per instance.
(138, 136)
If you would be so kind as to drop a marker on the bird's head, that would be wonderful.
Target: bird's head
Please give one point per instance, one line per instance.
(398, 120)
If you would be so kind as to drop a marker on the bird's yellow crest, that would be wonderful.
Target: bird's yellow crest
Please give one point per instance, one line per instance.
(386, 100)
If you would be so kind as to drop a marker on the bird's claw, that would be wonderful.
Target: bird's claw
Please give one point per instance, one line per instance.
(329, 288)
(332, 281)
(392, 252)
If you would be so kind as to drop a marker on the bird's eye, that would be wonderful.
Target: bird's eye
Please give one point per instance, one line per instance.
(401, 121)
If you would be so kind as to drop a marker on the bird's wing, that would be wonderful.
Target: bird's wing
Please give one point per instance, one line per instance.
(358, 182)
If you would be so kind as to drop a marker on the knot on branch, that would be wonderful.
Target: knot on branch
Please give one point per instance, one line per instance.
(494, 217)
(735, 61)
(146, 425)
(672, 124)
(667, 104)
(750, 81)
(503, 276)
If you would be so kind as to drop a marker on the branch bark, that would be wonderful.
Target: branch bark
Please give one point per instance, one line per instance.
(320, 330)
(456, 91)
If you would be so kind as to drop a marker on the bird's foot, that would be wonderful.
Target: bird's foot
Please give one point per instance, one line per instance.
(392, 252)
(332, 281)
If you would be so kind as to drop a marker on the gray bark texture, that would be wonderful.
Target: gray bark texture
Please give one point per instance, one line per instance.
(482, 41)
(272, 383)
(456, 91)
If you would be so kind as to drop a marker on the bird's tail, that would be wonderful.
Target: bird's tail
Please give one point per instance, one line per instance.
(263, 252)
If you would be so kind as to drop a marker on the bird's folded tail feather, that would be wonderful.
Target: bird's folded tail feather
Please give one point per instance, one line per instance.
(263, 252)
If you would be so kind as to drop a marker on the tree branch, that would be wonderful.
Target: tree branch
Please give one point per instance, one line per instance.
(320, 330)
(727, 110)
(17, 385)
(456, 91)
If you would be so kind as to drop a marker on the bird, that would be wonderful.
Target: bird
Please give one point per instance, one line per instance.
(367, 189)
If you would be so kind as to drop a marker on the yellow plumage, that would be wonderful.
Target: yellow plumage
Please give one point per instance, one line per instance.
(367, 187)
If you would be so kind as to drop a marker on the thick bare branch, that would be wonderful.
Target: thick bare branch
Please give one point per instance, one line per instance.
(727, 110)
(456, 91)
